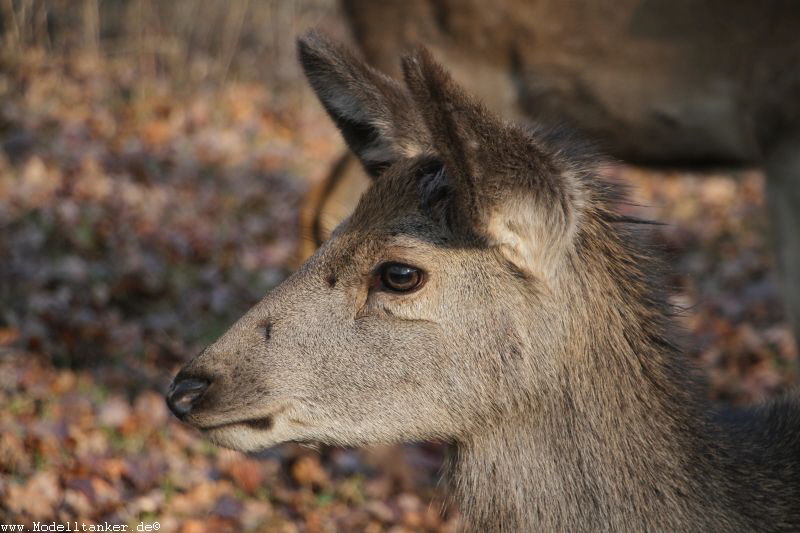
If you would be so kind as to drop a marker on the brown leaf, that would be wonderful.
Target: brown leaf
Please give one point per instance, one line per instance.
(114, 412)
(247, 474)
(37, 498)
(308, 471)
(8, 336)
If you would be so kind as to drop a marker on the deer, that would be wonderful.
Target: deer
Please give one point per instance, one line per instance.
(487, 293)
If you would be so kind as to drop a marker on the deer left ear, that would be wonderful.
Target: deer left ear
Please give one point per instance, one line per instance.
(374, 112)
(507, 188)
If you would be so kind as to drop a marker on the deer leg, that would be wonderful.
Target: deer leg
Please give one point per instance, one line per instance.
(783, 200)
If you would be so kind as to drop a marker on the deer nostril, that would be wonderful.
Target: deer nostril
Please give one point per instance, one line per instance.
(183, 394)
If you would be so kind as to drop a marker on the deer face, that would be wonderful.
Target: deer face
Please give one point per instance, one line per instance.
(413, 321)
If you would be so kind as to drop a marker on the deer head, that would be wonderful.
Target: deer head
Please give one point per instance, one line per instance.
(445, 302)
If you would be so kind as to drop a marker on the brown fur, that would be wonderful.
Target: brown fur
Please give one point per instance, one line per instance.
(538, 345)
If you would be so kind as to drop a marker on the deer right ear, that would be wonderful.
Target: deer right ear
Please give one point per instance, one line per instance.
(506, 186)
(375, 114)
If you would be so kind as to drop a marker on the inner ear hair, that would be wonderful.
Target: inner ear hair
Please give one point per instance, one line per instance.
(433, 188)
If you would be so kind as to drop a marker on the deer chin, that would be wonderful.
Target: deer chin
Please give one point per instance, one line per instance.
(250, 435)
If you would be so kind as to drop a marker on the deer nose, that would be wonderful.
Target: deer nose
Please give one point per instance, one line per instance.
(183, 393)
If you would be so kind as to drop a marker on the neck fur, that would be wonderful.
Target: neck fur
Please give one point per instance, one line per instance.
(620, 444)
(600, 461)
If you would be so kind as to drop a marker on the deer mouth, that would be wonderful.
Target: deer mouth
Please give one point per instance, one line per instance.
(263, 424)
(259, 423)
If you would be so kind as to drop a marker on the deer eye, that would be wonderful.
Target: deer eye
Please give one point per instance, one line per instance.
(397, 277)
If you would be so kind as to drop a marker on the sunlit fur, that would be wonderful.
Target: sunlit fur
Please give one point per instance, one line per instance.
(538, 346)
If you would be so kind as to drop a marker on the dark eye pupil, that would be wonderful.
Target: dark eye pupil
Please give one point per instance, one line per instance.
(400, 277)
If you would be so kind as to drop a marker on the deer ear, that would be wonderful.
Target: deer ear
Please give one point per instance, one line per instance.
(506, 186)
(374, 113)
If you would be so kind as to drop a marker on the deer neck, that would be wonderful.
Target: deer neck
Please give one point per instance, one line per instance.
(618, 445)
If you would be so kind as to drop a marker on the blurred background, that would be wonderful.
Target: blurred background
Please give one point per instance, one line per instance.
(155, 158)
